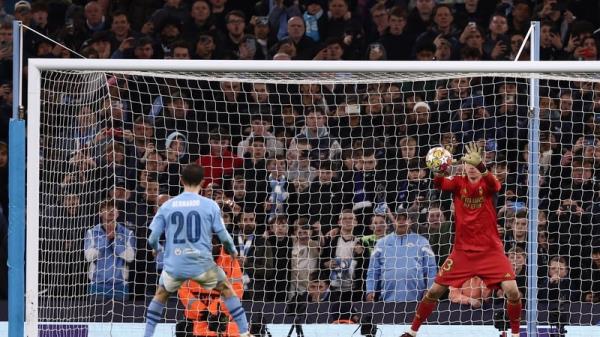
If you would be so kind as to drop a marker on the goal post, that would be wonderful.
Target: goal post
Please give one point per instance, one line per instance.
(197, 84)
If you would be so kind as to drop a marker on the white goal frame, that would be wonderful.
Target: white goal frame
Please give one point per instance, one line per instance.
(36, 66)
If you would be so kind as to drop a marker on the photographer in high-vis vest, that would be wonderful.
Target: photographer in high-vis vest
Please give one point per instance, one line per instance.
(206, 314)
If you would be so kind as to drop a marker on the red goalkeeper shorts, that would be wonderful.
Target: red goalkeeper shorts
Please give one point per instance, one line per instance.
(493, 267)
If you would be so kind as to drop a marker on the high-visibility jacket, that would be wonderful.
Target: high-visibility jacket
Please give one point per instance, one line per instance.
(198, 300)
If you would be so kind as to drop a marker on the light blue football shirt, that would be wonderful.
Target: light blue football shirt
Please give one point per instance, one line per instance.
(189, 222)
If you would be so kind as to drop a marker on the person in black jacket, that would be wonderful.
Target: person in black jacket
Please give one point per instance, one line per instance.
(325, 195)
(366, 191)
(279, 241)
(340, 255)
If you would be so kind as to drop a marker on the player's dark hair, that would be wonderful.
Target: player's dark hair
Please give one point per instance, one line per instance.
(192, 174)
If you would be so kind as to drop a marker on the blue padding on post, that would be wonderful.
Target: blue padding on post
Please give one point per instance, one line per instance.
(16, 228)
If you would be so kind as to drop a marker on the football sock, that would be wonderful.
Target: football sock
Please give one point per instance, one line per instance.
(237, 312)
(514, 315)
(423, 311)
(153, 316)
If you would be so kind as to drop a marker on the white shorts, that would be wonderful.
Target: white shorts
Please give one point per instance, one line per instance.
(208, 280)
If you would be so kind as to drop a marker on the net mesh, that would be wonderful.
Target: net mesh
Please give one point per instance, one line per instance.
(309, 169)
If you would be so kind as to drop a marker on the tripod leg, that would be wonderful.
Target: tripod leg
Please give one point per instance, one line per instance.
(299, 330)
(291, 330)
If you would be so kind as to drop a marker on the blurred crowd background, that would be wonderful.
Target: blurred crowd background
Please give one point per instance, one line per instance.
(323, 187)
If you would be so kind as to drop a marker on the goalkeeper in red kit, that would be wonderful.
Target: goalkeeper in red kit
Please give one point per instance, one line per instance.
(477, 250)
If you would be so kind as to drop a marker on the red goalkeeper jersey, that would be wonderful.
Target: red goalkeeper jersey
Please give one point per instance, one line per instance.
(475, 212)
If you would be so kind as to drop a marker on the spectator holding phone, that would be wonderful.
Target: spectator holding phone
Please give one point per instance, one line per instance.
(497, 45)
(588, 51)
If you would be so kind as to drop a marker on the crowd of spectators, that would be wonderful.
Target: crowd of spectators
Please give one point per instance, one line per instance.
(317, 185)
(323, 187)
(301, 29)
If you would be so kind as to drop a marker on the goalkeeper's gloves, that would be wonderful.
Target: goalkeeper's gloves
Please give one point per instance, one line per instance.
(474, 156)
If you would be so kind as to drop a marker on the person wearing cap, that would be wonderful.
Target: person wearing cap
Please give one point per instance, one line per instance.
(23, 12)
(176, 148)
(419, 125)
(402, 266)
(265, 40)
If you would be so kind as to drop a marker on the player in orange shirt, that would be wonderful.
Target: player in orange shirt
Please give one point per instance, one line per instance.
(200, 303)
(477, 249)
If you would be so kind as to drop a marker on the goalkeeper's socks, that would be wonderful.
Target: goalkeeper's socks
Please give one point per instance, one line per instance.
(424, 309)
(238, 313)
(153, 316)
(514, 316)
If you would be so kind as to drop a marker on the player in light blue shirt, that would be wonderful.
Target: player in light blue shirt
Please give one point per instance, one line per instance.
(189, 222)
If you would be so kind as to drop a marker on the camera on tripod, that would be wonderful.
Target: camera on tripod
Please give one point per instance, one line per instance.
(557, 319)
(500, 322)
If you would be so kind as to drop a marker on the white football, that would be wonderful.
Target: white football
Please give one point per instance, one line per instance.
(438, 159)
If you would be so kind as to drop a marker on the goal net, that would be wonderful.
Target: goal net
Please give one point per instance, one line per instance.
(322, 184)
